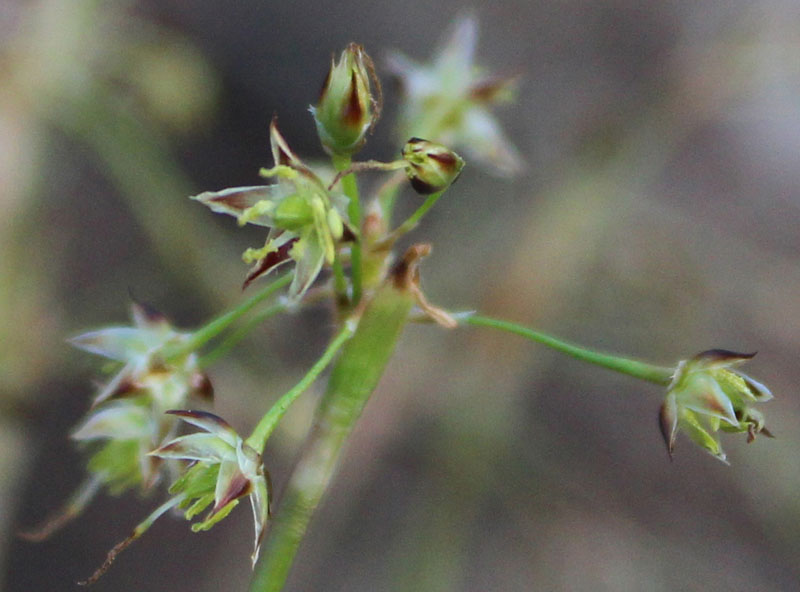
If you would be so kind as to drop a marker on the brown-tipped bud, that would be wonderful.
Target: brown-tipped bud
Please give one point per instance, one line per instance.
(431, 167)
(346, 109)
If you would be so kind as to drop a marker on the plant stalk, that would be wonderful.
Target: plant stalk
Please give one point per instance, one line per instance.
(261, 433)
(352, 381)
(642, 370)
(213, 328)
(350, 188)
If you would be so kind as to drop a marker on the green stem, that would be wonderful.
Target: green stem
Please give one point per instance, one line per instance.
(642, 370)
(350, 188)
(206, 333)
(412, 221)
(265, 427)
(138, 161)
(339, 280)
(228, 343)
(354, 377)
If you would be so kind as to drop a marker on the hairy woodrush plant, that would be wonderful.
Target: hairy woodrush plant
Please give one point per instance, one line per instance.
(325, 241)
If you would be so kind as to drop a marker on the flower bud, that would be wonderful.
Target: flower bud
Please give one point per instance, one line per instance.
(346, 108)
(431, 167)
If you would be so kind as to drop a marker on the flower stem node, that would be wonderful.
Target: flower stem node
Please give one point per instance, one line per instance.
(347, 109)
(707, 395)
(431, 167)
(405, 276)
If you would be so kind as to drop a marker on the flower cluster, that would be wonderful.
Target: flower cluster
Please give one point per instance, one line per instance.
(128, 414)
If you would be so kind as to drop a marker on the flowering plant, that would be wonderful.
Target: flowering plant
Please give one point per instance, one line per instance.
(334, 244)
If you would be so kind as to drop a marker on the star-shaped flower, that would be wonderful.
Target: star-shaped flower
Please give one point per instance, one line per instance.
(224, 469)
(707, 395)
(127, 420)
(141, 350)
(449, 100)
(303, 217)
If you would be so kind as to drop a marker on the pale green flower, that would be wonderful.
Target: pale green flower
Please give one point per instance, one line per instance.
(448, 100)
(223, 469)
(141, 350)
(706, 395)
(128, 415)
(303, 216)
(127, 418)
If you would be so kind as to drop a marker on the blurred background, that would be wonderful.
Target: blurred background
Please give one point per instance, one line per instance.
(657, 217)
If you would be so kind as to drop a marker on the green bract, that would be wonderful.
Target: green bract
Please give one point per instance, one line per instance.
(706, 395)
(303, 216)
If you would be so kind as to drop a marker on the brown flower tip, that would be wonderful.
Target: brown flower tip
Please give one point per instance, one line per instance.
(272, 260)
(405, 273)
(202, 387)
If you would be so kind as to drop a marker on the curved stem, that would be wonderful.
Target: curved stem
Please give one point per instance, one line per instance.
(642, 370)
(265, 427)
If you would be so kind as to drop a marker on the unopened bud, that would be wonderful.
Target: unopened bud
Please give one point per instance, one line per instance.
(346, 109)
(431, 167)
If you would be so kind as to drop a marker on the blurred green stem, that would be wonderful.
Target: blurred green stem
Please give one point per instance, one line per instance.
(642, 370)
(230, 340)
(216, 326)
(412, 221)
(350, 188)
(137, 160)
(352, 381)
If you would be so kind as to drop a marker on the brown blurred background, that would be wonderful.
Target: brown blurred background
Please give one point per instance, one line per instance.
(658, 217)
